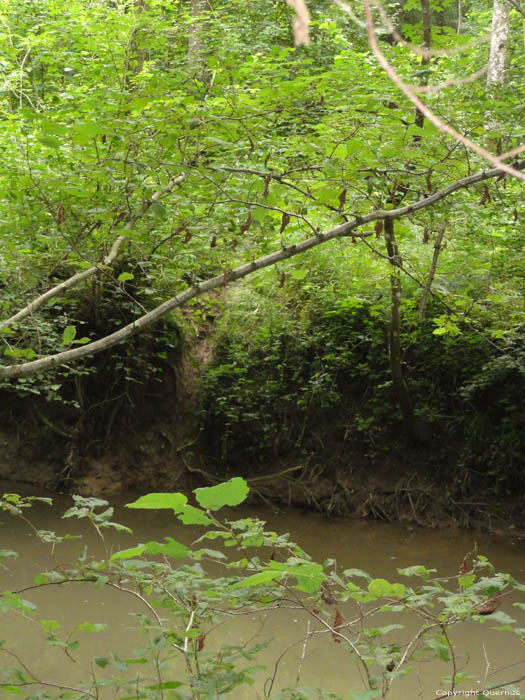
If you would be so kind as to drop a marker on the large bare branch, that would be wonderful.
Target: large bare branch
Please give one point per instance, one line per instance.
(86, 274)
(346, 229)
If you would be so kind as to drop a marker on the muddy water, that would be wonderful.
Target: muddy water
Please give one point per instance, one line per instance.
(375, 547)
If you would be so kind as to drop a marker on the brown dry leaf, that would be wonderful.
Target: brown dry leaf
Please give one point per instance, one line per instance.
(200, 642)
(342, 199)
(246, 225)
(285, 220)
(300, 22)
(61, 214)
(338, 621)
(267, 181)
(486, 195)
(428, 178)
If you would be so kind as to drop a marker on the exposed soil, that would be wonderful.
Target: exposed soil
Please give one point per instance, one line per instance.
(160, 451)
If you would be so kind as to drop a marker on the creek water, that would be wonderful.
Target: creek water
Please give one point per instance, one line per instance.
(378, 548)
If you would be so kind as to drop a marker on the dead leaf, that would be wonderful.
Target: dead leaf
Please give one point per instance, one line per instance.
(246, 225)
(267, 181)
(342, 199)
(338, 621)
(285, 220)
(486, 195)
(428, 177)
(61, 214)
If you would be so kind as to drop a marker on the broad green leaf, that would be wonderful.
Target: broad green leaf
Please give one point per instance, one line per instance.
(258, 579)
(128, 553)
(190, 515)
(68, 336)
(10, 689)
(154, 501)
(231, 493)
(48, 140)
(172, 549)
(125, 276)
(50, 625)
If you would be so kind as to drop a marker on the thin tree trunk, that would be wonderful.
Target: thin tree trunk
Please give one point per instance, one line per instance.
(431, 274)
(496, 65)
(498, 44)
(426, 23)
(136, 54)
(417, 429)
(196, 39)
(394, 329)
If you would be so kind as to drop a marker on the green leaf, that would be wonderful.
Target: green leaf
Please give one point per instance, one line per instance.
(172, 549)
(68, 336)
(154, 501)
(128, 553)
(258, 579)
(125, 276)
(190, 515)
(380, 587)
(50, 625)
(231, 493)
(11, 690)
(101, 661)
(91, 627)
(48, 140)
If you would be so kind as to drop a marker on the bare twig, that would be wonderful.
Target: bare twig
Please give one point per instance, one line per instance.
(431, 274)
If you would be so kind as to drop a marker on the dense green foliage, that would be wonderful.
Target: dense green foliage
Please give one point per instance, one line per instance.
(209, 141)
(307, 363)
(181, 597)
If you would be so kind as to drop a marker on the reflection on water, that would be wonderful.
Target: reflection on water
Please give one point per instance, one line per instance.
(378, 548)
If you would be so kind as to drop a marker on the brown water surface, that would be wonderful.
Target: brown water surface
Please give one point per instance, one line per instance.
(378, 548)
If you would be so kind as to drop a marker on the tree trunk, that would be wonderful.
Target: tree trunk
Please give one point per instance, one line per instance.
(498, 45)
(394, 328)
(416, 428)
(496, 66)
(136, 53)
(426, 23)
(196, 39)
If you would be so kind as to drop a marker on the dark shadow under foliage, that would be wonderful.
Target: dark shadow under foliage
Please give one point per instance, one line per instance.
(78, 409)
(328, 383)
